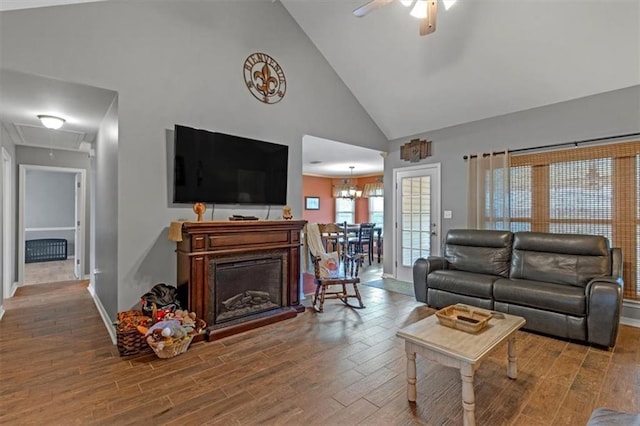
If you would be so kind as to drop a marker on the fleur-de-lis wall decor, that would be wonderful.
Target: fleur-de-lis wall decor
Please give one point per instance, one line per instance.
(264, 78)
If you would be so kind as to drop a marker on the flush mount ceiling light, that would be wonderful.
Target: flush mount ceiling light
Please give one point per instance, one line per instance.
(425, 10)
(51, 121)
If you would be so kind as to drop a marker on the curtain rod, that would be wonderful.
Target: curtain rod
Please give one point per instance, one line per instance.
(555, 145)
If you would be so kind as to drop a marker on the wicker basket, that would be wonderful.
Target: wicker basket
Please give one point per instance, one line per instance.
(463, 317)
(129, 339)
(131, 342)
(176, 347)
(169, 351)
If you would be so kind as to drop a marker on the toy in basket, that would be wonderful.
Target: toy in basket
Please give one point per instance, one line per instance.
(174, 334)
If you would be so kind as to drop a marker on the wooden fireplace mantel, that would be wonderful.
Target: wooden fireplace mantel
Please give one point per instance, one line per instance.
(206, 242)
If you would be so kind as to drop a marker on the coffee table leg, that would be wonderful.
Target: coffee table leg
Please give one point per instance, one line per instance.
(411, 373)
(468, 395)
(512, 369)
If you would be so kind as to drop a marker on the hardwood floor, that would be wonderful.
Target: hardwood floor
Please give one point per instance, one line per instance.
(58, 366)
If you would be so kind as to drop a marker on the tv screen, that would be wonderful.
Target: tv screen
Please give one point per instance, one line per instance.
(214, 167)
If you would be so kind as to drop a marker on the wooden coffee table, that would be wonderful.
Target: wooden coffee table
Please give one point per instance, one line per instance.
(459, 349)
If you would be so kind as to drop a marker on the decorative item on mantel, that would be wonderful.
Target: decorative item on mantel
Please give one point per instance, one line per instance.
(199, 209)
(286, 213)
(415, 150)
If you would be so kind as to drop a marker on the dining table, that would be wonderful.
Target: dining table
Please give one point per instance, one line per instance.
(353, 230)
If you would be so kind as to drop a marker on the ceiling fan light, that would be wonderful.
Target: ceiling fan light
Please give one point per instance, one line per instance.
(419, 10)
(51, 122)
(406, 3)
(448, 4)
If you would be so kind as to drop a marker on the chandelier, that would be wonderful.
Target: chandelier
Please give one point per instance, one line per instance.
(348, 190)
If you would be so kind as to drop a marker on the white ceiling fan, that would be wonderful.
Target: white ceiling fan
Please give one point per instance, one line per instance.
(425, 10)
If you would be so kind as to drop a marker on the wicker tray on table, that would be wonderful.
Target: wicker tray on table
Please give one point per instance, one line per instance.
(464, 317)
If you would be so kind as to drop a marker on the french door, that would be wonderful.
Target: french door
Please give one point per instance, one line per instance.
(417, 216)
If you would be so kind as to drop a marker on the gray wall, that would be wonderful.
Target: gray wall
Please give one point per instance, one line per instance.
(606, 114)
(7, 143)
(26, 155)
(50, 199)
(105, 223)
(181, 62)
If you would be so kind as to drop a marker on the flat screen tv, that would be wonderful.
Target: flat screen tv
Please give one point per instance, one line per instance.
(213, 167)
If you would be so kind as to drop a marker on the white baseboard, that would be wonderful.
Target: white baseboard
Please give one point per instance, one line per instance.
(388, 276)
(13, 289)
(1, 312)
(632, 310)
(630, 322)
(103, 313)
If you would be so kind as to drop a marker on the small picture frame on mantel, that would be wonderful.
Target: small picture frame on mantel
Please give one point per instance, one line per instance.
(312, 203)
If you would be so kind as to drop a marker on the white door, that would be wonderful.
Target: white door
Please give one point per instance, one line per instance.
(417, 201)
(78, 223)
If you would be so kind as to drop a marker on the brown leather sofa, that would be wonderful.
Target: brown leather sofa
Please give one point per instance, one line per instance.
(564, 285)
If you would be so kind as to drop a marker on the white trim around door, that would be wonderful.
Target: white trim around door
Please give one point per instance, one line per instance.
(8, 263)
(80, 206)
(417, 222)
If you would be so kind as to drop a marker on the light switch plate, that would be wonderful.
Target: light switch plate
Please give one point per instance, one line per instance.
(448, 214)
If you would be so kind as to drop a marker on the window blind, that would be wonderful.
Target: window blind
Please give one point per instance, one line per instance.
(590, 190)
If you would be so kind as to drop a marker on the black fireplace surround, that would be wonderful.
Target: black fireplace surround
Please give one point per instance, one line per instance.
(243, 287)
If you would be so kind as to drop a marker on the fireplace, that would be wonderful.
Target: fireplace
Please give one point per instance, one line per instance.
(247, 286)
(240, 275)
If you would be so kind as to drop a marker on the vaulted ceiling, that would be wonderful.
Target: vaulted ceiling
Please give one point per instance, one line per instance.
(486, 58)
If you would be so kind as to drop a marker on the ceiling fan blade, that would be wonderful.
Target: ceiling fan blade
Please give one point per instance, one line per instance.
(428, 24)
(368, 7)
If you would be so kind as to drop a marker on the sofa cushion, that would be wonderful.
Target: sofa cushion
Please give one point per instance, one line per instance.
(461, 282)
(481, 251)
(541, 295)
(440, 299)
(559, 258)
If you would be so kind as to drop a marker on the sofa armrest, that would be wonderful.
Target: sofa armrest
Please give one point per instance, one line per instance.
(616, 262)
(421, 268)
(604, 306)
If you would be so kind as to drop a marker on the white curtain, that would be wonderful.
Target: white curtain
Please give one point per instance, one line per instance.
(337, 189)
(375, 189)
(488, 191)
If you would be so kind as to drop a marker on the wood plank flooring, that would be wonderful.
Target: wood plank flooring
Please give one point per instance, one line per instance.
(58, 367)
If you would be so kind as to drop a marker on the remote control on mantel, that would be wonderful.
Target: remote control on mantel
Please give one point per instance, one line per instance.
(240, 217)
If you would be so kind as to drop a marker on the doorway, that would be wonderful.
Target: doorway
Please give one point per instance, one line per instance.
(51, 214)
(417, 216)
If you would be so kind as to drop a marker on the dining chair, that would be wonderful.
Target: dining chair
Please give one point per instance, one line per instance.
(363, 244)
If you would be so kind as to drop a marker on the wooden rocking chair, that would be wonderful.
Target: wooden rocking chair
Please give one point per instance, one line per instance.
(337, 269)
